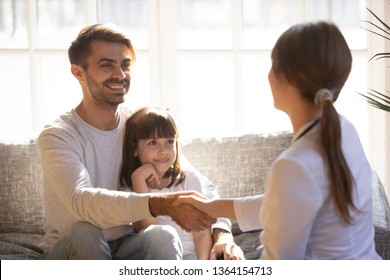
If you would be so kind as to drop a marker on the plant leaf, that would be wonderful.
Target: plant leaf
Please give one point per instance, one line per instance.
(380, 56)
(381, 21)
(377, 100)
(374, 32)
(380, 96)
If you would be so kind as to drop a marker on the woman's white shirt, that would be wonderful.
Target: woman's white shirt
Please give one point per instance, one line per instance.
(297, 213)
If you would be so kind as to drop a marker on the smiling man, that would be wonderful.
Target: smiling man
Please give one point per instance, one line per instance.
(87, 217)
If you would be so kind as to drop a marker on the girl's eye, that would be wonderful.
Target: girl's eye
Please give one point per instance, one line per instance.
(152, 142)
(171, 141)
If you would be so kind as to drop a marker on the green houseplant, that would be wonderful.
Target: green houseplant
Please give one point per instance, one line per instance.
(373, 97)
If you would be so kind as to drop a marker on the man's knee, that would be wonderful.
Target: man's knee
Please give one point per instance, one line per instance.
(88, 241)
(159, 233)
(163, 239)
(81, 241)
(85, 230)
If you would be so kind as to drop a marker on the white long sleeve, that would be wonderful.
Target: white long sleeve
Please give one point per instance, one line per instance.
(247, 211)
(81, 178)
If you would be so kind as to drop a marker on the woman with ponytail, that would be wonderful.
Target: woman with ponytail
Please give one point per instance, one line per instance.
(317, 203)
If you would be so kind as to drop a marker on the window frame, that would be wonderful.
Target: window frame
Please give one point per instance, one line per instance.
(161, 51)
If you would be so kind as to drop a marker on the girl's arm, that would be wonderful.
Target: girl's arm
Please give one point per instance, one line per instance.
(203, 244)
(138, 179)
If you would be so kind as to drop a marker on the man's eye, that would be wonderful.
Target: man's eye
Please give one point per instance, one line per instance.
(126, 66)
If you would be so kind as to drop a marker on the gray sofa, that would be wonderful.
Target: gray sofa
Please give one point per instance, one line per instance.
(237, 165)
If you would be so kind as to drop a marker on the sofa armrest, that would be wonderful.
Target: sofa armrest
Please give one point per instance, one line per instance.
(381, 218)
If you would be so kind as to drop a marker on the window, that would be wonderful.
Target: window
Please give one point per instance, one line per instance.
(205, 60)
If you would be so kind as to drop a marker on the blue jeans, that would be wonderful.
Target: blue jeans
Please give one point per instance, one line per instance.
(84, 241)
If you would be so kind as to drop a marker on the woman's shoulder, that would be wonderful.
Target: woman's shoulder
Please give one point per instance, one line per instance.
(305, 157)
(305, 150)
(348, 129)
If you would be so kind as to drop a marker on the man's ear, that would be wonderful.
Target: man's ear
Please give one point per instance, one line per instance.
(77, 71)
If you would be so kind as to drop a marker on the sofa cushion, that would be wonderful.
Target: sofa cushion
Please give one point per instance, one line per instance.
(11, 251)
(14, 245)
(21, 200)
(243, 162)
(248, 241)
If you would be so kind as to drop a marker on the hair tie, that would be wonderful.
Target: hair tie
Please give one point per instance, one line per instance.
(323, 95)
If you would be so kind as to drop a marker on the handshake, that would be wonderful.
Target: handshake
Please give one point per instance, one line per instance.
(190, 210)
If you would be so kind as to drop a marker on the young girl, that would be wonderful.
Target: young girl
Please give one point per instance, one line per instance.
(151, 163)
(317, 203)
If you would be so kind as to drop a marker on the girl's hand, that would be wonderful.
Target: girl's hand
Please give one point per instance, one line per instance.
(141, 178)
(144, 176)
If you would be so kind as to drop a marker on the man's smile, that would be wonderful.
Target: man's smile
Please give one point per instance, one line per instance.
(116, 85)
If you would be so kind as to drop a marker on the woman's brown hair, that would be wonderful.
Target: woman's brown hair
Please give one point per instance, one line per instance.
(148, 123)
(311, 57)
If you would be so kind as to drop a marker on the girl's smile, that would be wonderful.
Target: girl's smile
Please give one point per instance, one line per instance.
(160, 152)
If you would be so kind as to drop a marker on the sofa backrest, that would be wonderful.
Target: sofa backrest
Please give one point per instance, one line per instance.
(21, 189)
(238, 166)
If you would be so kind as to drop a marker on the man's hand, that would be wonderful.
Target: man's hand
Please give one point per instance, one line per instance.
(185, 215)
(224, 247)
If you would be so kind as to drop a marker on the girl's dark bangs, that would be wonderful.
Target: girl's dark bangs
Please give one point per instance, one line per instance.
(156, 127)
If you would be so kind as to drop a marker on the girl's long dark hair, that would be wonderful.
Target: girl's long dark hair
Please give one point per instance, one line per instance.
(148, 123)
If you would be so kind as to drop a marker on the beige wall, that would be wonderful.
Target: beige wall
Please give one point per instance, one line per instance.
(379, 79)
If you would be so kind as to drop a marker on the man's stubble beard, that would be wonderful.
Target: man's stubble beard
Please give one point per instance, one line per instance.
(96, 90)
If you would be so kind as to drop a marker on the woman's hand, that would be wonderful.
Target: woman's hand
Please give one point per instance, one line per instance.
(215, 208)
(195, 199)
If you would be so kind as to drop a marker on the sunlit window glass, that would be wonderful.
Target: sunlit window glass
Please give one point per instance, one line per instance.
(264, 20)
(258, 112)
(59, 21)
(15, 106)
(13, 29)
(350, 104)
(348, 14)
(204, 24)
(206, 95)
(140, 86)
(59, 89)
(130, 15)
